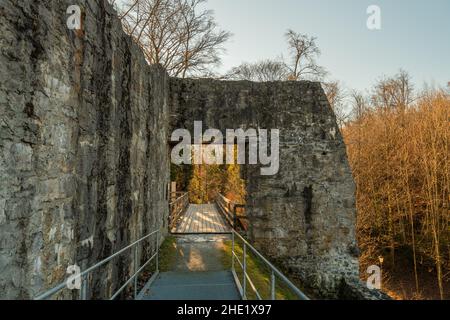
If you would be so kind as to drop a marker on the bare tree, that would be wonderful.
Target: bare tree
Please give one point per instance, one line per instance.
(262, 71)
(359, 105)
(394, 93)
(302, 64)
(336, 97)
(176, 34)
(304, 51)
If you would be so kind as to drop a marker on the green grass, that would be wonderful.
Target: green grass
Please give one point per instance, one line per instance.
(167, 254)
(259, 274)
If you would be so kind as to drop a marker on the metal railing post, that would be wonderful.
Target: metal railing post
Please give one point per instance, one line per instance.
(157, 251)
(232, 250)
(83, 289)
(244, 282)
(234, 218)
(136, 268)
(272, 286)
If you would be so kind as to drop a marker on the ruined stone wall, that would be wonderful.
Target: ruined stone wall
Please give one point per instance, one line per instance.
(83, 155)
(304, 217)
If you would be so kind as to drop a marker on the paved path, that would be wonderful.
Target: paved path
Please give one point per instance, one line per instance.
(199, 253)
(202, 219)
(198, 272)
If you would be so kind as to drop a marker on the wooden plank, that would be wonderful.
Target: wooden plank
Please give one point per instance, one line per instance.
(222, 222)
(201, 216)
(182, 224)
(191, 218)
(188, 221)
(210, 223)
(202, 219)
(218, 222)
(205, 222)
(205, 216)
(196, 220)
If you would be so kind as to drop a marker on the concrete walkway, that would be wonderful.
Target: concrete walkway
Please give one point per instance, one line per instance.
(197, 274)
(199, 253)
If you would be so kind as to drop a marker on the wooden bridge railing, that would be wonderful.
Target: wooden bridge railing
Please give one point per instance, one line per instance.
(233, 212)
(177, 207)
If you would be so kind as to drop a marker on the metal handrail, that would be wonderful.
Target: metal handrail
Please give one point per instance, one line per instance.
(274, 271)
(83, 275)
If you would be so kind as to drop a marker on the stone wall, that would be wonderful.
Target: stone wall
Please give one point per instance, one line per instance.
(303, 217)
(83, 146)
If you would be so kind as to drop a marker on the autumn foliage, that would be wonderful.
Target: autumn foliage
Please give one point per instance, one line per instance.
(400, 159)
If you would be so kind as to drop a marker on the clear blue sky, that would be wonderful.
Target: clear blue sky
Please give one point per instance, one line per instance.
(415, 36)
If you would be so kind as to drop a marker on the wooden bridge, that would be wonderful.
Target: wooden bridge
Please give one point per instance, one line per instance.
(201, 219)
(198, 229)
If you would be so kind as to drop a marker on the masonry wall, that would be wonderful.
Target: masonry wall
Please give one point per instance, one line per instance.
(304, 217)
(83, 147)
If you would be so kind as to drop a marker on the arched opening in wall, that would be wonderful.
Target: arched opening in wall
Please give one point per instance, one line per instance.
(208, 195)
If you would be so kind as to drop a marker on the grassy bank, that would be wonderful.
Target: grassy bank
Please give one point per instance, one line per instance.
(168, 254)
(258, 272)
